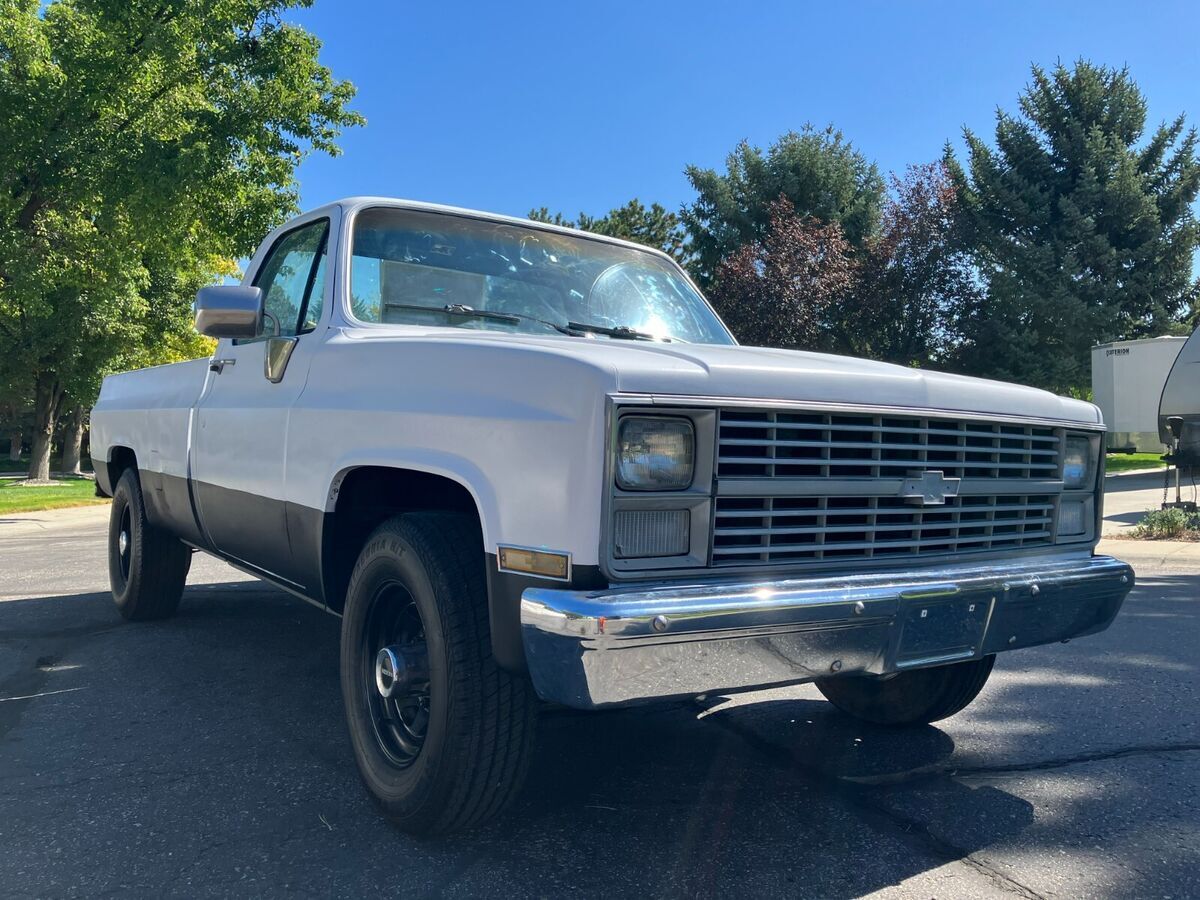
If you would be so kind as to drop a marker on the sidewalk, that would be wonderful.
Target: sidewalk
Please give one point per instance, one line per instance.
(14, 524)
(1128, 495)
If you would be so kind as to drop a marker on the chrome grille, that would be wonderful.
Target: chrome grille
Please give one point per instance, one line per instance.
(798, 486)
(791, 529)
(774, 444)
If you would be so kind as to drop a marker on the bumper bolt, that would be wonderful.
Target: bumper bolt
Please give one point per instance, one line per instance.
(660, 623)
(835, 666)
(1035, 590)
(860, 608)
(1124, 578)
(1013, 639)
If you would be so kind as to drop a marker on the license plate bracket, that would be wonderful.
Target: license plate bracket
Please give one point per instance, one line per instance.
(941, 630)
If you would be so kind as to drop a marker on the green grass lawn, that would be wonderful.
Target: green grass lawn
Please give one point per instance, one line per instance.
(21, 466)
(67, 492)
(1124, 462)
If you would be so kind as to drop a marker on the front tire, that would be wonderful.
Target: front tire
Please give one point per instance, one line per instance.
(449, 746)
(916, 697)
(147, 567)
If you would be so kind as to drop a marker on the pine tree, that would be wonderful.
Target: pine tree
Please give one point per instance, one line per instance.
(1083, 230)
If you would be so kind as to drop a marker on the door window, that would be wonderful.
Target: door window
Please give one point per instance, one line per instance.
(293, 280)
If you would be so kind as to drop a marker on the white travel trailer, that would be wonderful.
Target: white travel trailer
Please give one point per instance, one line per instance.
(1127, 381)
(1181, 404)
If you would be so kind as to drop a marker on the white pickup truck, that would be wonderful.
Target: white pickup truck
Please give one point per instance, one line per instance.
(526, 464)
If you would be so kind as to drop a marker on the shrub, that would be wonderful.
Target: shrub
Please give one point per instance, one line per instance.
(1164, 524)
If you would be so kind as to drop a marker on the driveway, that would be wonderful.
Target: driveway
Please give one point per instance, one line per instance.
(1128, 495)
(206, 756)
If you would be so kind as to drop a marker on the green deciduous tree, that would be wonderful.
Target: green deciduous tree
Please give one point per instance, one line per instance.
(1081, 223)
(818, 171)
(655, 226)
(143, 143)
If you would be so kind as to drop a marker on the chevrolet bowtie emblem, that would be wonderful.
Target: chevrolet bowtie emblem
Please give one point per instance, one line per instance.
(928, 488)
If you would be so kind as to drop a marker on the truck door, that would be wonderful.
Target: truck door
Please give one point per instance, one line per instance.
(240, 433)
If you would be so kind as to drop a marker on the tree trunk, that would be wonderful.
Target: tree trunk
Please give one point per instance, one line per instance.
(73, 441)
(46, 395)
(14, 446)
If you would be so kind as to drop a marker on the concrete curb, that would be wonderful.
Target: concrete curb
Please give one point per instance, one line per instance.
(1155, 557)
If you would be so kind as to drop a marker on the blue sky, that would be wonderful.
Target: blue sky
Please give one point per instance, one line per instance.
(581, 106)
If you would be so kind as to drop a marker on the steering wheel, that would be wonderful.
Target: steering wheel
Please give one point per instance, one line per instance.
(605, 295)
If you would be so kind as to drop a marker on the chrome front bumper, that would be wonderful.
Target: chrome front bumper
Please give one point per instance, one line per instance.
(595, 648)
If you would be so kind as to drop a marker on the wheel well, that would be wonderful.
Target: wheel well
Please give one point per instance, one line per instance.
(120, 459)
(366, 498)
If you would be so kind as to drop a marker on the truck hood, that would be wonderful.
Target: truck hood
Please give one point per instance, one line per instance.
(759, 373)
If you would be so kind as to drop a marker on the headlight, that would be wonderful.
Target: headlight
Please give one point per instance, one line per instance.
(655, 454)
(1079, 463)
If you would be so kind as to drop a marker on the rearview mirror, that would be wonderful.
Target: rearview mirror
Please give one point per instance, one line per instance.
(229, 311)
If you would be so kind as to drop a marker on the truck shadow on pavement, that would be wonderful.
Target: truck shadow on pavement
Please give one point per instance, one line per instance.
(209, 752)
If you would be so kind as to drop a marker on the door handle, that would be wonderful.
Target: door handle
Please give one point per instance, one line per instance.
(218, 365)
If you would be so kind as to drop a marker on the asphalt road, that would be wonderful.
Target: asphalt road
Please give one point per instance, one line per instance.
(206, 756)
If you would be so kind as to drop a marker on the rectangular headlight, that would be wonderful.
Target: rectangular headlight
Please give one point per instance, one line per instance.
(1079, 462)
(655, 453)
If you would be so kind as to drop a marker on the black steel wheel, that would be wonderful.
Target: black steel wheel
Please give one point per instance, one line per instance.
(147, 566)
(124, 546)
(442, 736)
(395, 669)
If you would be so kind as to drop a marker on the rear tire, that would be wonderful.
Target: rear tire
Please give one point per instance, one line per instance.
(147, 567)
(916, 697)
(451, 747)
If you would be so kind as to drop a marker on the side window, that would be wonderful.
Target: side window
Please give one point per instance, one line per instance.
(293, 280)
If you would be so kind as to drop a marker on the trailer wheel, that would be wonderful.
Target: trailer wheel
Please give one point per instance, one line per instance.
(147, 567)
(916, 697)
(442, 736)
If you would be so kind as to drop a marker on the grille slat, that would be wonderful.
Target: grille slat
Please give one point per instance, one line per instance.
(828, 452)
(886, 463)
(828, 546)
(867, 445)
(835, 529)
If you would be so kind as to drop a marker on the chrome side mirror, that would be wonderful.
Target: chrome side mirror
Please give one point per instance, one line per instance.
(229, 311)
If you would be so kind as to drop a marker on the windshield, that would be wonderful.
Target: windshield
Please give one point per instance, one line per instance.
(430, 268)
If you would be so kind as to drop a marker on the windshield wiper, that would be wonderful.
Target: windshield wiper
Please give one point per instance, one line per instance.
(575, 329)
(460, 309)
(617, 331)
